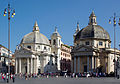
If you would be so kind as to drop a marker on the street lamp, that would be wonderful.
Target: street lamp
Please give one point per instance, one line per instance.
(114, 24)
(8, 10)
(119, 46)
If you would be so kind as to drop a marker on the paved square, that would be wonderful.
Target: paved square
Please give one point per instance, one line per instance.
(62, 80)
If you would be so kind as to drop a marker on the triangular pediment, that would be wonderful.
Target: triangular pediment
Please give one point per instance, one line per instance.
(83, 48)
(23, 51)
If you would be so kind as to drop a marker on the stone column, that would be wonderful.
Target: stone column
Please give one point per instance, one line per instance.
(88, 64)
(36, 65)
(28, 65)
(16, 65)
(74, 64)
(106, 65)
(19, 65)
(81, 64)
(78, 65)
(92, 63)
(31, 65)
(95, 63)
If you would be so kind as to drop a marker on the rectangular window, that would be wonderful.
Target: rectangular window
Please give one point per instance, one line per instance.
(87, 43)
(100, 43)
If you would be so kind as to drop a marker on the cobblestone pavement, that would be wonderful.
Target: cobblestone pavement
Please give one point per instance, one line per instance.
(62, 80)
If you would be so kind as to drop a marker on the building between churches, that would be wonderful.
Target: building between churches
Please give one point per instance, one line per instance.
(37, 54)
(92, 50)
(4, 60)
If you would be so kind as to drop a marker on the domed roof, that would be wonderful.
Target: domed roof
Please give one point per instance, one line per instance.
(35, 37)
(92, 31)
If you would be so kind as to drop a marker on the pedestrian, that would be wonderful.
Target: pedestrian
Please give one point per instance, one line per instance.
(73, 75)
(65, 75)
(20, 75)
(13, 78)
(2, 76)
(26, 76)
(29, 76)
(7, 77)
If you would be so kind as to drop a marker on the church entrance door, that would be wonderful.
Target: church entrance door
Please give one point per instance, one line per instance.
(25, 69)
(85, 68)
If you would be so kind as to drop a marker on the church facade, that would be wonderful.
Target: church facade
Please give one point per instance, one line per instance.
(37, 54)
(92, 50)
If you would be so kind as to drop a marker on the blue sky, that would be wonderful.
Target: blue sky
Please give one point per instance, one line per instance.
(61, 13)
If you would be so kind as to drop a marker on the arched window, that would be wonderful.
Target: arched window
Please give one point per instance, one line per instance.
(91, 20)
(29, 47)
(38, 47)
(54, 42)
(105, 45)
(94, 20)
(44, 47)
(49, 49)
(59, 42)
(48, 63)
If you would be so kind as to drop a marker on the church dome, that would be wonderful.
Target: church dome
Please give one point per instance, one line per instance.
(92, 30)
(35, 37)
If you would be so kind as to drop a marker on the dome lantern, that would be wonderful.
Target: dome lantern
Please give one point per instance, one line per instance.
(92, 19)
(35, 27)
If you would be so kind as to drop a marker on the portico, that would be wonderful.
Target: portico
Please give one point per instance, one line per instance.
(25, 65)
(84, 64)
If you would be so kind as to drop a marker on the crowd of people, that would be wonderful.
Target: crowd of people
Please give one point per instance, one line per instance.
(88, 75)
(5, 77)
(72, 75)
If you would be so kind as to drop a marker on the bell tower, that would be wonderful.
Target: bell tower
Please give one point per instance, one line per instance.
(56, 45)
